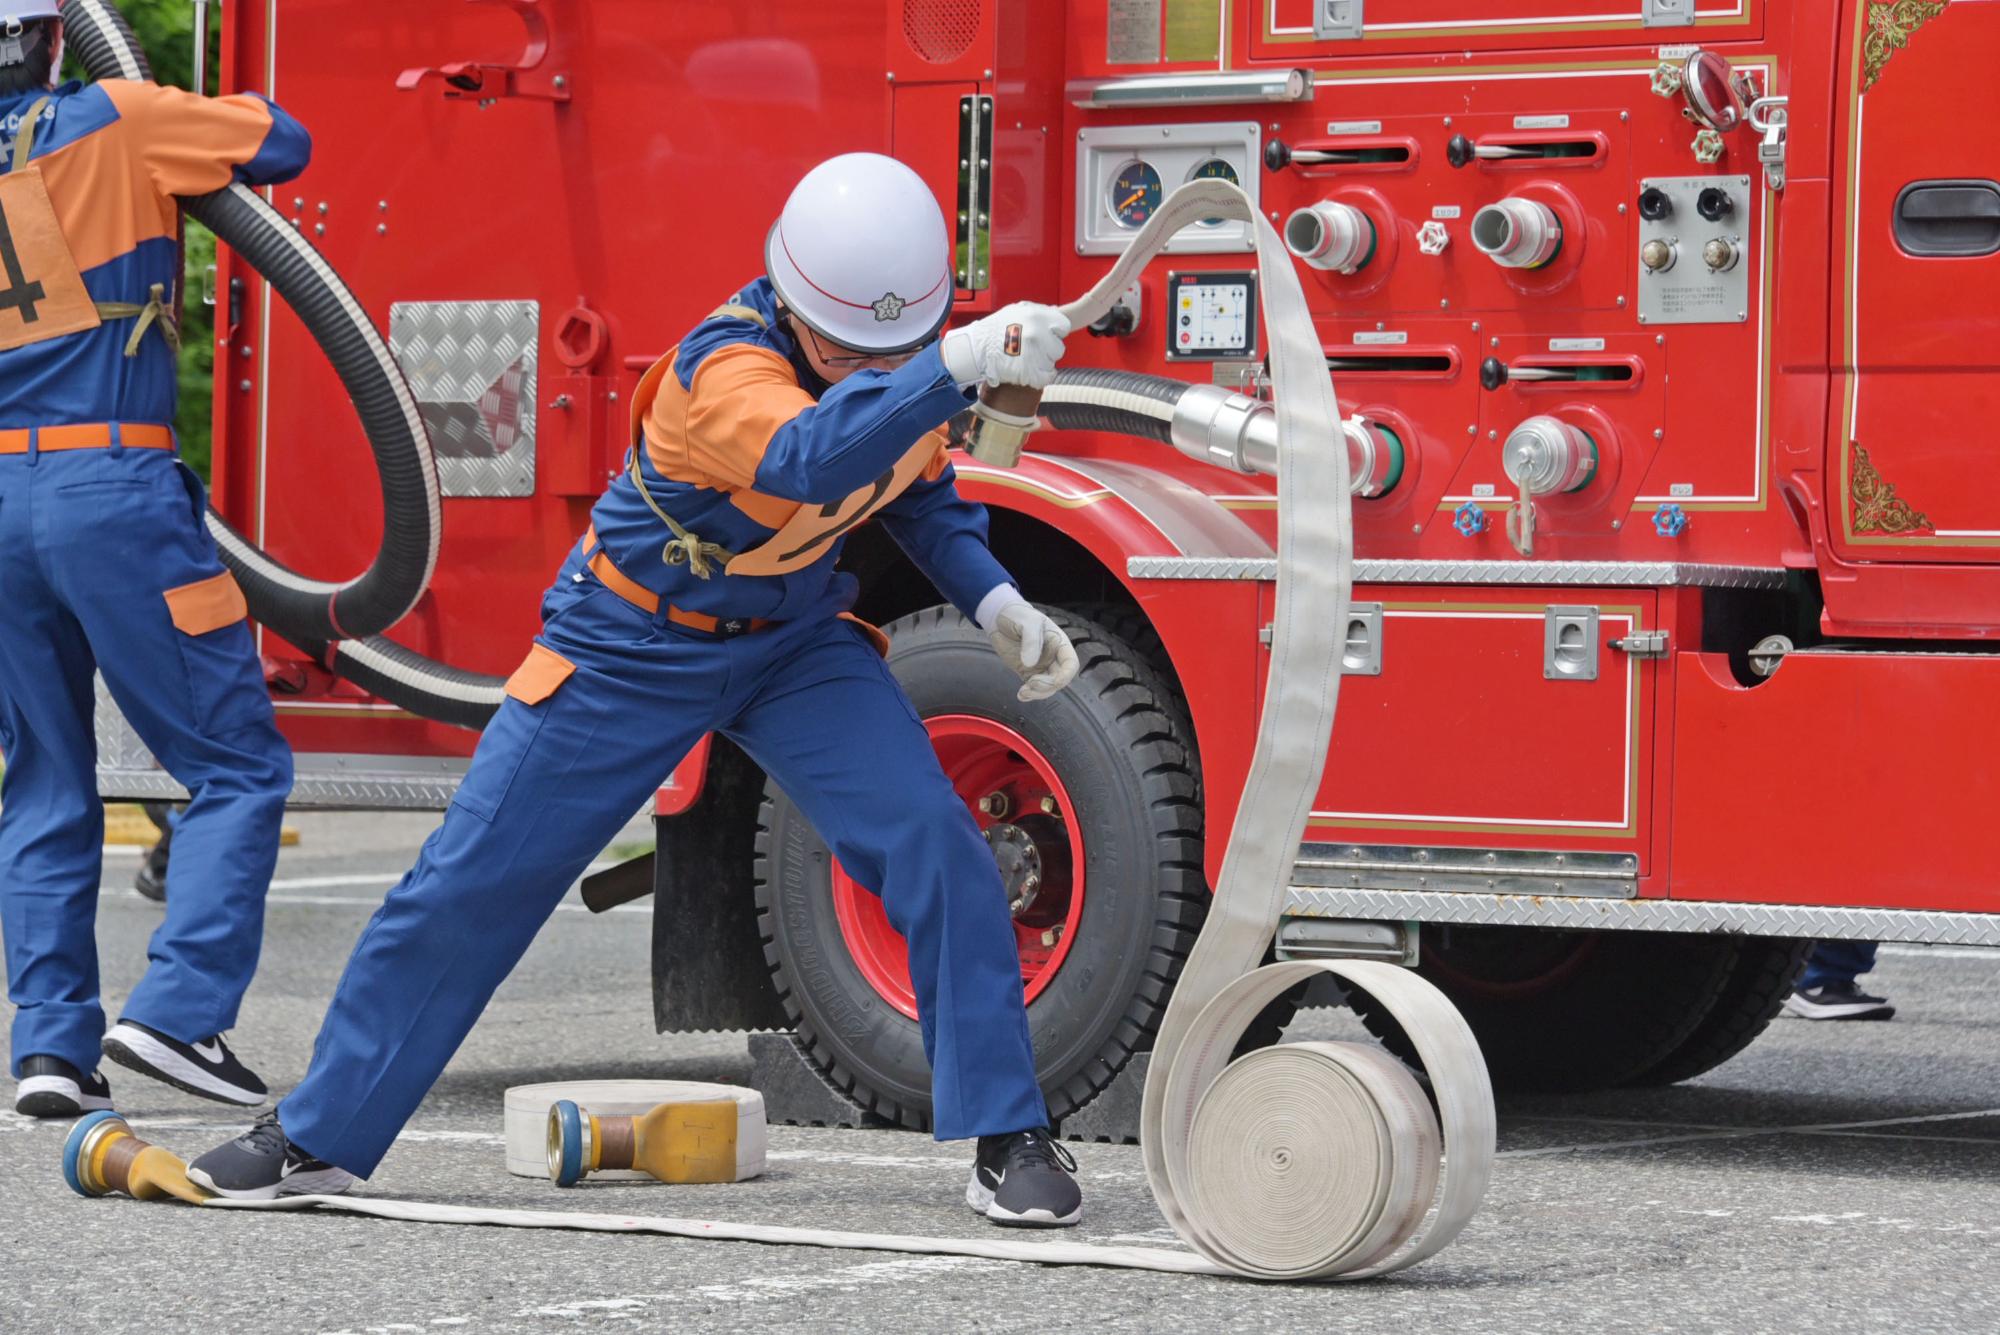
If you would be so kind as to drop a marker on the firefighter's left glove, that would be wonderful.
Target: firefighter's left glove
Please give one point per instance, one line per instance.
(1031, 643)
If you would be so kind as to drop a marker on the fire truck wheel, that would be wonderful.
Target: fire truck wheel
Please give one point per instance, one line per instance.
(1095, 790)
(1566, 1012)
(1751, 998)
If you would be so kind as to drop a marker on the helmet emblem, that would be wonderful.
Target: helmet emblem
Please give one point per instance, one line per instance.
(890, 307)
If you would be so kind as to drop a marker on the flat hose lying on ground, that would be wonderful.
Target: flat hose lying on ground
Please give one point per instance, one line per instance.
(339, 624)
(1296, 1162)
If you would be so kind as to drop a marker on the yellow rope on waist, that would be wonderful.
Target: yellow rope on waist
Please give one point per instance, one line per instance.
(153, 313)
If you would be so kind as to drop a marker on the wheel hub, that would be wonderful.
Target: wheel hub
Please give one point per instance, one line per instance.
(1020, 864)
(1025, 815)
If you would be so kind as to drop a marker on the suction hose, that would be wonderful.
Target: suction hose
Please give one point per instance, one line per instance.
(339, 624)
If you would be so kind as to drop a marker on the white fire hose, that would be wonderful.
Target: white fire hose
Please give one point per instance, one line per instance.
(1296, 1162)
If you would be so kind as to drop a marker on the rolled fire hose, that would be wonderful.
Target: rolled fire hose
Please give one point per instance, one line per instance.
(339, 624)
(1297, 1162)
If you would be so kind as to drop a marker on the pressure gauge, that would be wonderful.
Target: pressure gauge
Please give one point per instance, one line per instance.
(1214, 169)
(1135, 193)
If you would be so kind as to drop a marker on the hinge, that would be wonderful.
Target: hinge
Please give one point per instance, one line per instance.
(1669, 13)
(1338, 20)
(1643, 644)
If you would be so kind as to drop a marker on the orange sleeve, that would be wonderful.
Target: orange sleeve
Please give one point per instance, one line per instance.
(192, 145)
(741, 397)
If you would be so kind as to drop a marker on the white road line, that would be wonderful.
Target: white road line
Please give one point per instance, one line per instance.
(1746, 1133)
(359, 879)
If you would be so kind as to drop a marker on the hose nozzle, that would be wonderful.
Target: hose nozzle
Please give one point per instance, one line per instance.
(103, 1158)
(675, 1142)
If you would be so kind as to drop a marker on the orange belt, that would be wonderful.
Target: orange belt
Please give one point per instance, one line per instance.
(88, 436)
(648, 602)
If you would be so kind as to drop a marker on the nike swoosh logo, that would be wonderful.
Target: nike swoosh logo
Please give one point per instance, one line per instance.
(210, 1051)
(995, 1179)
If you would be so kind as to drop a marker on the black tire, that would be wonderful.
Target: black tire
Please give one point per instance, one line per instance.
(1751, 997)
(1558, 1011)
(1128, 766)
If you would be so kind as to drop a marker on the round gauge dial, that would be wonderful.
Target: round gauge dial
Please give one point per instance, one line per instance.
(1214, 169)
(1135, 193)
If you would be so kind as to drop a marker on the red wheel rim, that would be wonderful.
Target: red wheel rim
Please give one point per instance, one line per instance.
(983, 758)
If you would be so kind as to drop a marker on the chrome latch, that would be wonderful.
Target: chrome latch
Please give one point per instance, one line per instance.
(1668, 14)
(1769, 116)
(1339, 20)
(1569, 644)
(1361, 656)
(1643, 644)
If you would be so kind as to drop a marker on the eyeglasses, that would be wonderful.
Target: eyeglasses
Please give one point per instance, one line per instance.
(851, 360)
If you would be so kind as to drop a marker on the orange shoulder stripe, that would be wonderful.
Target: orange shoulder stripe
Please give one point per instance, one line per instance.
(188, 145)
(102, 198)
(743, 395)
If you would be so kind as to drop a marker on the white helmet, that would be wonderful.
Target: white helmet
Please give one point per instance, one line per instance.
(27, 11)
(861, 255)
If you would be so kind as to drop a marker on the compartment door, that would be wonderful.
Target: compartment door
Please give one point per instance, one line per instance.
(1915, 474)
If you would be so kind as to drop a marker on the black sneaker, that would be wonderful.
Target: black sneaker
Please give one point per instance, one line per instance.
(208, 1068)
(51, 1087)
(151, 878)
(261, 1165)
(1837, 1001)
(1022, 1180)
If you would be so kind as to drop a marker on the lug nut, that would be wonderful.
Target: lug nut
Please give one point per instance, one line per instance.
(1050, 807)
(994, 805)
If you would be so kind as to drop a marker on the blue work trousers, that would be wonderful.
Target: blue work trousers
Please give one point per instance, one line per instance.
(91, 540)
(1836, 962)
(555, 778)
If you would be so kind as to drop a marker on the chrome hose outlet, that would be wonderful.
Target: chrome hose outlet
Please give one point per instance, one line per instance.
(1374, 456)
(1330, 235)
(1544, 456)
(1517, 233)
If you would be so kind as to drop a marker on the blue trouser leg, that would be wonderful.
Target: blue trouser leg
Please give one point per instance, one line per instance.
(90, 543)
(1837, 962)
(835, 730)
(549, 787)
(51, 827)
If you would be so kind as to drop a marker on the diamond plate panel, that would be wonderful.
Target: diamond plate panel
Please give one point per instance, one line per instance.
(1559, 574)
(472, 366)
(127, 771)
(1650, 915)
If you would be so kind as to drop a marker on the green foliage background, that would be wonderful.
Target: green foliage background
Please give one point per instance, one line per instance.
(166, 29)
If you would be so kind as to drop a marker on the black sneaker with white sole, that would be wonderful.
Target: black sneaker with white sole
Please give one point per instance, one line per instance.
(208, 1068)
(51, 1087)
(1837, 1001)
(1022, 1180)
(261, 1165)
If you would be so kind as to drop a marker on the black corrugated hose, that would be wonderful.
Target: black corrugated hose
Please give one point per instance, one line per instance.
(338, 624)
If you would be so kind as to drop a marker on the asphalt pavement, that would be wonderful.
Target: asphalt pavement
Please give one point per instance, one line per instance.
(1836, 1177)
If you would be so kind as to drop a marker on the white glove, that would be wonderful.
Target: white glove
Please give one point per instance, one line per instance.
(980, 351)
(1028, 642)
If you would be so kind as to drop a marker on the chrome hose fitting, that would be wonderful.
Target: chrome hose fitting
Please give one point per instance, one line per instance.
(1544, 455)
(1331, 235)
(1517, 233)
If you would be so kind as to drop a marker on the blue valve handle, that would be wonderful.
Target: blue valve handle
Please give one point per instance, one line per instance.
(1469, 519)
(1670, 521)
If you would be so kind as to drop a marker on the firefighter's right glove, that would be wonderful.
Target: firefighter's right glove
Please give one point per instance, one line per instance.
(1031, 643)
(983, 353)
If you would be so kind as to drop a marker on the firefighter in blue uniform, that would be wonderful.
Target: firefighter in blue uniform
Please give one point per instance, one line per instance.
(704, 598)
(106, 566)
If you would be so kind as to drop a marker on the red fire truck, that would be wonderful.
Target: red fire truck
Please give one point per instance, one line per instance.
(1650, 686)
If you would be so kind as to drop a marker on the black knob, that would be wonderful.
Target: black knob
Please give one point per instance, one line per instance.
(1714, 204)
(1654, 204)
(1492, 373)
(1277, 155)
(1459, 151)
(1117, 322)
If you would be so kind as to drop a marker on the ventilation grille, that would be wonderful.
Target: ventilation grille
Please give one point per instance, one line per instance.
(940, 31)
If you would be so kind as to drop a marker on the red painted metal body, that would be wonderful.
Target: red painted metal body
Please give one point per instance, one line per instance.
(628, 210)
